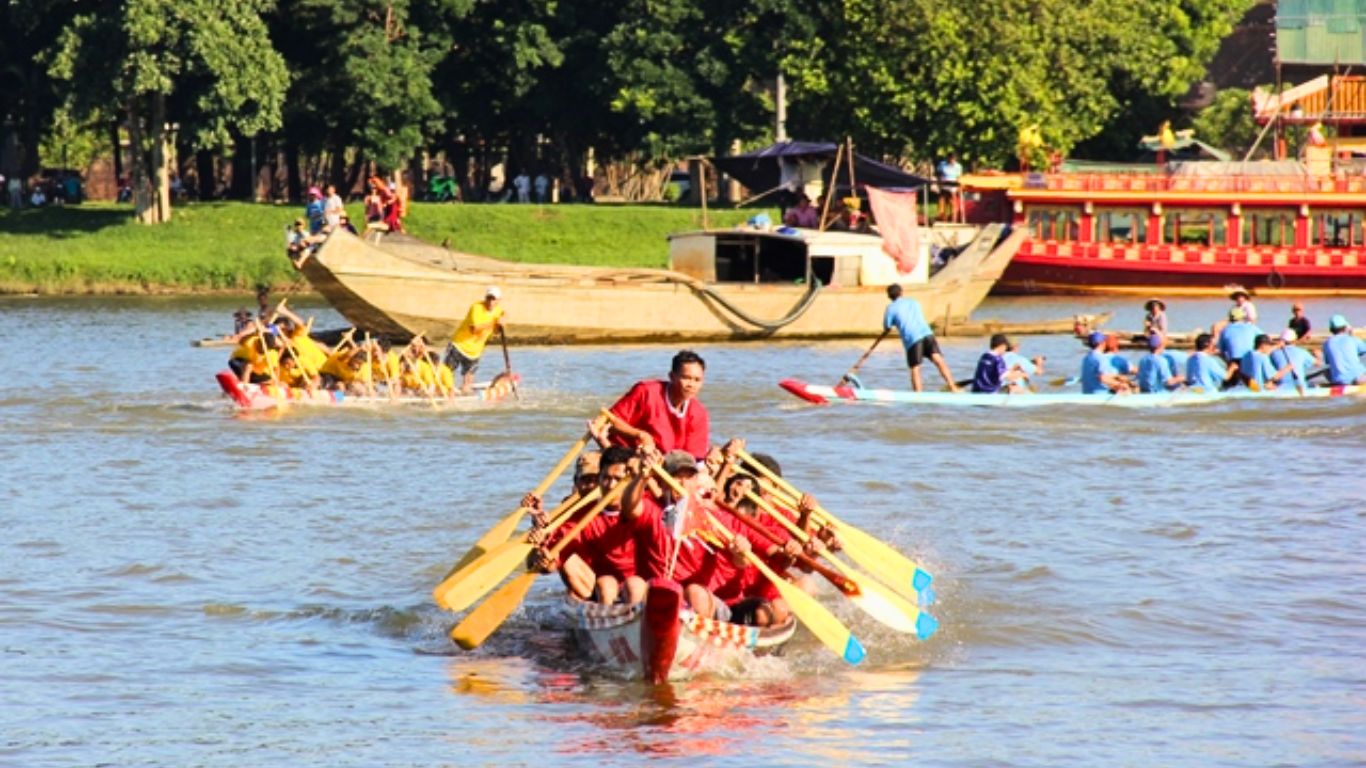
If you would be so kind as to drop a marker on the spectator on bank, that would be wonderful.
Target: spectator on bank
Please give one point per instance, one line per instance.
(313, 211)
(333, 208)
(16, 193)
(522, 183)
(542, 184)
(39, 198)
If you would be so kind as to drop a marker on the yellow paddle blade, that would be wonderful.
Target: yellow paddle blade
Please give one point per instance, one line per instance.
(495, 536)
(822, 623)
(482, 575)
(484, 620)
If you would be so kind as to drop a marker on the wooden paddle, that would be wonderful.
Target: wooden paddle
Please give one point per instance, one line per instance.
(503, 530)
(475, 628)
(817, 618)
(883, 604)
(507, 362)
(476, 579)
(848, 375)
(888, 565)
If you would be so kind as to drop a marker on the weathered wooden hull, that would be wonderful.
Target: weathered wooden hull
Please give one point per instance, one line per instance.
(402, 287)
(819, 394)
(658, 641)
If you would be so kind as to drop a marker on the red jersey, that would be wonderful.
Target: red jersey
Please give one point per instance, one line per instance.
(646, 407)
(608, 546)
(697, 562)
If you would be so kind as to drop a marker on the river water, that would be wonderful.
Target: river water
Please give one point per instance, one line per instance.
(183, 587)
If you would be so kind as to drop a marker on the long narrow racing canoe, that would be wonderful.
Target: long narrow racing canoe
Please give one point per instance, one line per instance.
(823, 395)
(659, 639)
(260, 397)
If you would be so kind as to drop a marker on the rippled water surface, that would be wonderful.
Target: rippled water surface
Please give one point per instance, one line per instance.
(1116, 587)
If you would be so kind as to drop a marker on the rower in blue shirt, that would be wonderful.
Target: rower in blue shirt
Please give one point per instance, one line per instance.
(1030, 368)
(1298, 358)
(1342, 354)
(1098, 374)
(994, 373)
(1155, 373)
(1256, 367)
(1204, 369)
(1238, 337)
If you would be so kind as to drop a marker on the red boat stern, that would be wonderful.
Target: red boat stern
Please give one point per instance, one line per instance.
(660, 629)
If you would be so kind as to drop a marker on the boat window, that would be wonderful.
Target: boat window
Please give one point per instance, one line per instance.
(1121, 225)
(743, 258)
(1054, 223)
(1336, 228)
(1269, 226)
(1195, 226)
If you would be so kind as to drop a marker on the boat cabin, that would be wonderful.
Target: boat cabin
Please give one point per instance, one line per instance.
(791, 256)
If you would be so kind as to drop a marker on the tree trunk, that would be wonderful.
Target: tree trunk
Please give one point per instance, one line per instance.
(137, 172)
(161, 179)
(336, 172)
(203, 172)
(118, 152)
(243, 183)
(296, 186)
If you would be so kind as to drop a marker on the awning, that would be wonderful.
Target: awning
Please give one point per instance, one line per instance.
(761, 170)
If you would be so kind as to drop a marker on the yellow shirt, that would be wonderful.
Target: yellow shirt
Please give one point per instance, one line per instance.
(470, 343)
(311, 355)
(337, 368)
(419, 375)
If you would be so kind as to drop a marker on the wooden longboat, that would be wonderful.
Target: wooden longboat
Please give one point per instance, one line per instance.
(722, 286)
(660, 640)
(263, 397)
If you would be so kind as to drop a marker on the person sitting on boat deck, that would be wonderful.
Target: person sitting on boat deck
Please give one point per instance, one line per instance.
(1237, 337)
(1155, 370)
(1256, 368)
(466, 347)
(1342, 354)
(994, 373)
(802, 214)
(1298, 358)
(1299, 322)
(1243, 300)
(603, 559)
(1205, 369)
(242, 321)
(948, 172)
(852, 218)
(662, 416)
(1098, 373)
(904, 314)
(1156, 319)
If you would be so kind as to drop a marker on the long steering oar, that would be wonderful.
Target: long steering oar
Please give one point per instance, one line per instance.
(849, 374)
(473, 581)
(475, 628)
(883, 604)
(500, 532)
(890, 566)
(817, 618)
(507, 362)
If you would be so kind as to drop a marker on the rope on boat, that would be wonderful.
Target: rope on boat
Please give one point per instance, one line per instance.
(804, 304)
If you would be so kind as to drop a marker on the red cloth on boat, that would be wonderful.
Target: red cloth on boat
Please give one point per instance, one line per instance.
(896, 220)
(646, 407)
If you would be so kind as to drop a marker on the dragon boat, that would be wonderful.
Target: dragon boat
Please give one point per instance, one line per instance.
(823, 395)
(660, 639)
(261, 397)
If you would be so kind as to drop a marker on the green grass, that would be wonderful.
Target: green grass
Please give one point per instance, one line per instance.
(218, 247)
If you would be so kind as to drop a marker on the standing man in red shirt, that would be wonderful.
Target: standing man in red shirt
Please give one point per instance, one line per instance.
(662, 416)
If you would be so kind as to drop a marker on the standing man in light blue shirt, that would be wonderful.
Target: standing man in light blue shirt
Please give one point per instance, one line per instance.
(1342, 354)
(916, 336)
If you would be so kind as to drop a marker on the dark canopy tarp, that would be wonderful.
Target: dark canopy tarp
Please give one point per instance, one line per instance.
(759, 170)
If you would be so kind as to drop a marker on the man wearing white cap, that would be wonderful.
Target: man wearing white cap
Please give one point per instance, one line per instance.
(1298, 358)
(1342, 354)
(473, 334)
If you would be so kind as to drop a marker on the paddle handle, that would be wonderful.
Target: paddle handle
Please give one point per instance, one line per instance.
(507, 362)
(841, 582)
(592, 514)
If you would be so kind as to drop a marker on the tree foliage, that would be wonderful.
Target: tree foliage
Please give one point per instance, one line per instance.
(543, 82)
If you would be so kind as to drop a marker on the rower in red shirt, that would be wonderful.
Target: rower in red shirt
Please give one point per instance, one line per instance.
(662, 416)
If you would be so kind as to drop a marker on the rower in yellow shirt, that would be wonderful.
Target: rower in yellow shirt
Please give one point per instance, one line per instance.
(473, 334)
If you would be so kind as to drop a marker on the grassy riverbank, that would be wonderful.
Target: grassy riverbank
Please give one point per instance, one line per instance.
(219, 247)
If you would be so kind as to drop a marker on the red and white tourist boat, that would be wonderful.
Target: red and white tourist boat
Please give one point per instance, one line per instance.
(1288, 227)
(661, 640)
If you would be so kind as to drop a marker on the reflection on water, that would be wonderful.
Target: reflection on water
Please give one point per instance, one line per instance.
(1174, 587)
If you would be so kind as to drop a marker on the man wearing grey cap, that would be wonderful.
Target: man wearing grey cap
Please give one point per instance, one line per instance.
(463, 353)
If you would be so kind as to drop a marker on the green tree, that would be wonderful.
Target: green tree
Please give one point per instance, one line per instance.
(132, 56)
(1228, 122)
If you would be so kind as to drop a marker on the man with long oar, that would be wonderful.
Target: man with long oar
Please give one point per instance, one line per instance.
(467, 345)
